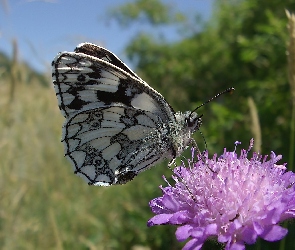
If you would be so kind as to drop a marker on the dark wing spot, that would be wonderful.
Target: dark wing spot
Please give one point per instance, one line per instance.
(125, 177)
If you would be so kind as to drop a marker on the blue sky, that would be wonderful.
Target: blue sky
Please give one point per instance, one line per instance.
(45, 27)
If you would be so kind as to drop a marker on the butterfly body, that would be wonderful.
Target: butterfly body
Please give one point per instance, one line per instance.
(116, 124)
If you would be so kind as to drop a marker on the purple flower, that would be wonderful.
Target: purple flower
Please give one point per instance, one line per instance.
(232, 198)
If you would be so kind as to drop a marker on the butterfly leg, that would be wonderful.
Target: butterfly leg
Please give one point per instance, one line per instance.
(201, 154)
(172, 162)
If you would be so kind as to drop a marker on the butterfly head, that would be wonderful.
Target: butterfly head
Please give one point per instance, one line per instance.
(181, 131)
(193, 121)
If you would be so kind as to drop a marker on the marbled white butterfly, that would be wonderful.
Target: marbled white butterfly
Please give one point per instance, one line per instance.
(116, 124)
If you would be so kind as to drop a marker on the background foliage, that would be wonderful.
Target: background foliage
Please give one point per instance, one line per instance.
(43, 206)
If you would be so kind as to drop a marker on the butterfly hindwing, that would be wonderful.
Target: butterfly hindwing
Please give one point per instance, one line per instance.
(113, 144)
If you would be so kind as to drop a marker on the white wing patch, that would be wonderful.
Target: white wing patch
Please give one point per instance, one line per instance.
(145, 102)
(116, 125)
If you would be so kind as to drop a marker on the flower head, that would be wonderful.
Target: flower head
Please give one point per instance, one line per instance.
(230, 197)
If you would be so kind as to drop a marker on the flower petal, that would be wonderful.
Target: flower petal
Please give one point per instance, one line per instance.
(193, 244)
(224, 238)
(249, 235)
(237, 246)
(156, 206)
(274, 233)
(198, 232)
(257, 227)
(211, 229)
(179, 217)
(159, 219)
(183, 232)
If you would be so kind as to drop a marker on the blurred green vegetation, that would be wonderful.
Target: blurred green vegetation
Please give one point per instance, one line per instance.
(44, 206)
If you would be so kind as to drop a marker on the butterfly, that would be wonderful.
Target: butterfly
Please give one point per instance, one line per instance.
(116, 124)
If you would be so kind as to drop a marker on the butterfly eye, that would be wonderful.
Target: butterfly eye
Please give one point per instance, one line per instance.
(194, 121)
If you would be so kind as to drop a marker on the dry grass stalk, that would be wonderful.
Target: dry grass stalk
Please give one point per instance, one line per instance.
(255, 128)
(291, 76)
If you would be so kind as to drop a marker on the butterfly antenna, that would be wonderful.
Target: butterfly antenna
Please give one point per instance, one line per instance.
(229, 90)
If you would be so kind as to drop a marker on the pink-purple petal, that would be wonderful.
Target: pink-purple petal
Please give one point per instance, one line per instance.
(237, 246)
(170, 202)
(179, 218)
(258, 227)
(159, 220)
(274, 233)
(223, 238)
(193, 244)
(198, 232)
(249, 235)
(183, 232)
(211, 229)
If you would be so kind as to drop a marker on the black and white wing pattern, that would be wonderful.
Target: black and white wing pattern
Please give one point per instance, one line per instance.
(116, 124)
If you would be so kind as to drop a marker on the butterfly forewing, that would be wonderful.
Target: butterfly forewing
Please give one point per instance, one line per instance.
(85, 82)
(116, 125)
(104, 54)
